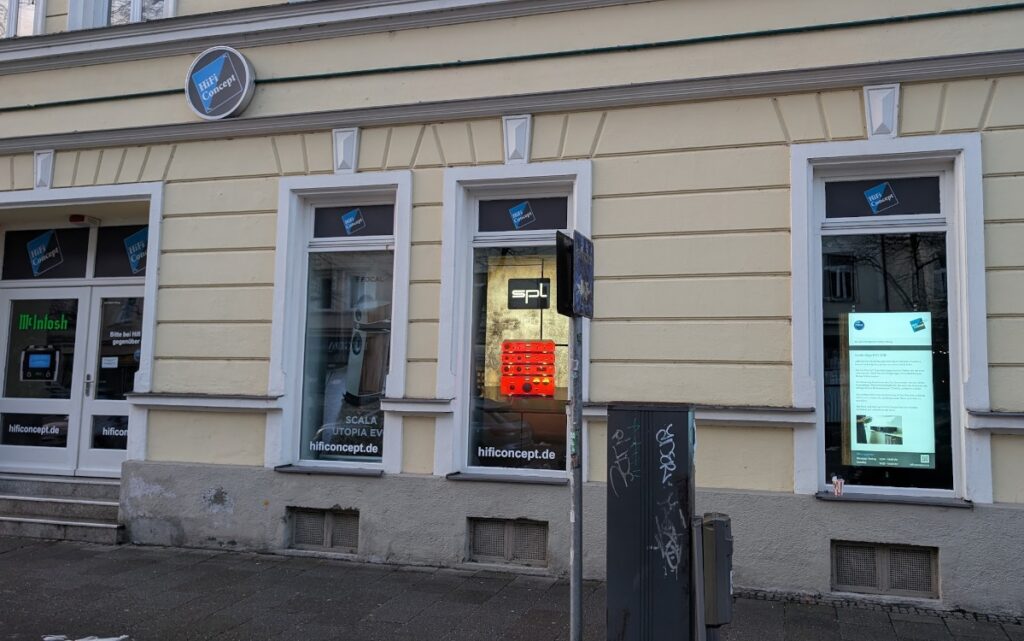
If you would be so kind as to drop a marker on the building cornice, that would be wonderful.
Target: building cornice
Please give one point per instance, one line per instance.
(776, 82)
(261, 26)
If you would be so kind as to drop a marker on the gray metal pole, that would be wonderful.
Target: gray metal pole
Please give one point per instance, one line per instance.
(576, 485)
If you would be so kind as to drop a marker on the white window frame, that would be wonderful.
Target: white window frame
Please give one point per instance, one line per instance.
(93, 14)
(297, 198)
(962, 219)
(464, 187)
(38, 20)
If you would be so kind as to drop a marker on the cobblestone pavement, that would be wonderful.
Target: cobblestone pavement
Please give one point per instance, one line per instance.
(78, 589)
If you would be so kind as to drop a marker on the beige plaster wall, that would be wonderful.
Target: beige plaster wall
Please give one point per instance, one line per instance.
(1008, 468)
(224, 438)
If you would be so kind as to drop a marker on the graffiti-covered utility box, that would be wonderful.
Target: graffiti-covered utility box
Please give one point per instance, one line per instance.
(650, 509)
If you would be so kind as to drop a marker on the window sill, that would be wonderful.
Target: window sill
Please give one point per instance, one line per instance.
(505, 478)
(932, 501)
(328, 471)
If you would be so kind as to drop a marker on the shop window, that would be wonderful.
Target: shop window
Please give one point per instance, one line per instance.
(347, 345)
(119, 251)
(21, 17)
(889, 316)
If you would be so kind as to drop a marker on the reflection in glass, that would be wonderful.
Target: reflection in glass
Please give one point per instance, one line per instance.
(26, 17)
(41, 348)
(120, 12)
(120, 347)
(152, 9)
(348, 340)
(872, 274)
(5, 7)
(520, 361)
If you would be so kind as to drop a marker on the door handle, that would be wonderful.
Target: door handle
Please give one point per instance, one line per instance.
(88, 385)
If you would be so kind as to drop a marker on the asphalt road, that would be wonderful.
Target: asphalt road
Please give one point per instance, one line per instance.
(79, 589)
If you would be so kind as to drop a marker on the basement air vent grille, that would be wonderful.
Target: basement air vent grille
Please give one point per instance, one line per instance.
(898, 570)
(518, 542)
(334, 530)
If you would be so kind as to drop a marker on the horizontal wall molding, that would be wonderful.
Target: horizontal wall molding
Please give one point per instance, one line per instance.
(776, 82)
(996, 422)
(736, 415)
(262, 26)
(204, 402)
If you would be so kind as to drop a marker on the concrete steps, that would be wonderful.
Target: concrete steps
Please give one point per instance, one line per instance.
(64, 508)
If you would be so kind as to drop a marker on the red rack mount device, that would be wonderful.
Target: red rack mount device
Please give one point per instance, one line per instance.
(528, 368)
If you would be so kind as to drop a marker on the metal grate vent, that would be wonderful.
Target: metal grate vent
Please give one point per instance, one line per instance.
(308, 528)
(508, 541)
(345, 533)
(856, 566)
(910, 570)
(333, 530)
(885, 569)
(529, 541)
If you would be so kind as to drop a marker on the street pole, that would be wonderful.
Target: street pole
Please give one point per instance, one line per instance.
(576, 485)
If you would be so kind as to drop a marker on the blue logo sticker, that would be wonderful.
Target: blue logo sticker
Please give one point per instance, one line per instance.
(217, 82)
(135, 246)
(522, 214)
(858, 325)
(917, 324)
(44, 252)
(881, 197)
(353, 221)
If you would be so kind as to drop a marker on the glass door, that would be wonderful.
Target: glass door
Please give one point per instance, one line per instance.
(44, 332)
(111, 361)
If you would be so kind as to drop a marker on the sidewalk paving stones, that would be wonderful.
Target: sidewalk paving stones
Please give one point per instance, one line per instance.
(81, 589)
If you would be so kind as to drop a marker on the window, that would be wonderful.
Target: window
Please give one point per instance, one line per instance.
(21, 17)
(338, 347)
(504, 351)
(347, 334)
(889, 339)
(91, 14)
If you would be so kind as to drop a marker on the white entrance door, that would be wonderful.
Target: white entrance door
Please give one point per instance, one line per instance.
(112, 359)
(71, 355)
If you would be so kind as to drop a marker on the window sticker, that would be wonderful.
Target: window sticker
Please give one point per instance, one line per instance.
(522, 214)
(881, 197)
(44, 252)
(135, 245)
(353, 221)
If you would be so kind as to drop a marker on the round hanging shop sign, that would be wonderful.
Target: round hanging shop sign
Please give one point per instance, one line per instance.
(220, 84)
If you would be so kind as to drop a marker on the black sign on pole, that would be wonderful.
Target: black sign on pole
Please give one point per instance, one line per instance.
(574, 260)
(219, 84)
(650, 509)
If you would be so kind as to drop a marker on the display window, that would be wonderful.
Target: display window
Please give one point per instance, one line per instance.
(347, 343)
(520, 370)
(886, 336)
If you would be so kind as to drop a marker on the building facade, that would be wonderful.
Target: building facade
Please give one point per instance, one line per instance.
(805, 218)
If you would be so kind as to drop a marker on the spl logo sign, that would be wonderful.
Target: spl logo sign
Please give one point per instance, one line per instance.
(529, 293)
(220, 84)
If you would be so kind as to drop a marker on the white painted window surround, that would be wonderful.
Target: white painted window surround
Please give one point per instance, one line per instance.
(92, 14)
(464, 187)
(959, 158)
(297, 196)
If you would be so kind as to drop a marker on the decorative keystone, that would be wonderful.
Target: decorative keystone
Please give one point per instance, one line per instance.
(881, 108)
(43, 178)
(517, 138)
(346, 150)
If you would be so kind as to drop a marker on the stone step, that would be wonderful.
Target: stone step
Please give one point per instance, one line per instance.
(60, 529)
(44, 507)
(60, 487)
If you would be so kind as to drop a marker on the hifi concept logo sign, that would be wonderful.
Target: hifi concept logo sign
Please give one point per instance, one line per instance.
(220, 84)
(44, 253)
(135, 246)
(353, 221)
(522, 215)
(881, 197)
